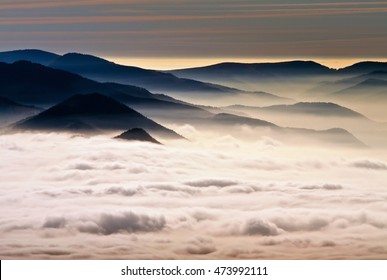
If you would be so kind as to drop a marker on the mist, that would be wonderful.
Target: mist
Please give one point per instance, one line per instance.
(213, 197)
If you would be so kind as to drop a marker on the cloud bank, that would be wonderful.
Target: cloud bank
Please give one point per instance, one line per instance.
(64, 197)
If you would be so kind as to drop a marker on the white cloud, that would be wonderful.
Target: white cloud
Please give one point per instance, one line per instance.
(78, 197)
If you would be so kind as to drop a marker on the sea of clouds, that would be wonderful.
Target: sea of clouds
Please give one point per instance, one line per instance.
(74, 197)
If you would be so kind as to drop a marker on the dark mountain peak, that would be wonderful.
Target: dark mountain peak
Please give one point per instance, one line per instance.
(28, 64)
(33, 55)
(88, 104)
(367, 64)
(364, 67)
(31, 83)
(83, 58)
(93, 113)
(137, 134)
(31, 70)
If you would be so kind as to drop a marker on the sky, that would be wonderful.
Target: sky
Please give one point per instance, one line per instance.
(196, 31)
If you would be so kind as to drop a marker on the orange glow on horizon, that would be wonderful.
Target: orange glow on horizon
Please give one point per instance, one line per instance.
(171, 63)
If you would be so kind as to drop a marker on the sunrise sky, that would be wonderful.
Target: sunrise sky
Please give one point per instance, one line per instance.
(171, 34)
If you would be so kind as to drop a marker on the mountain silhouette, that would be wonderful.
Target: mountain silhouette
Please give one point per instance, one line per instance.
(249, 71)
(137, 134)
(276, 69)
(36, 56)
(283, 78)
(32, 83)
(35, 84)
(93, 113)
(11, 111)
(105, 71)
(101, 70)
(364, 67)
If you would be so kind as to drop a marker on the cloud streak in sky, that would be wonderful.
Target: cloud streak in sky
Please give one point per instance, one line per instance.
(42, 24)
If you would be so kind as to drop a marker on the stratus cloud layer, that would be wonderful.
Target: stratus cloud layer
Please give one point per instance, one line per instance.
(64, 197)
(221, 28)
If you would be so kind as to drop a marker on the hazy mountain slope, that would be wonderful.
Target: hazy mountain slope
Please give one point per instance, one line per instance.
(11, 111)
(311, 115)
(368, 90)
(333, 86)
(318, 109)
(236, 126)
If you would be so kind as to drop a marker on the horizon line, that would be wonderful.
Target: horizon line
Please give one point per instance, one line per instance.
(166, 63)
(159, 63)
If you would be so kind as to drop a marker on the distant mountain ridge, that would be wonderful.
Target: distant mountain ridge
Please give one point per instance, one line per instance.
(32, 55)
(265, 70)
(294, 67)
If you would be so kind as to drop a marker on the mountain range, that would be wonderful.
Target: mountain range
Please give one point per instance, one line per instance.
(96, 114)
(37, 78)
(102, 70)
(37, 85)
(93, 113)
(289, 79)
